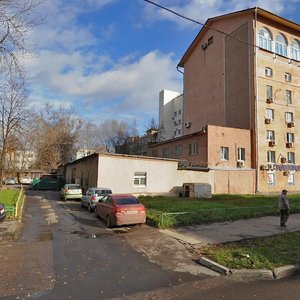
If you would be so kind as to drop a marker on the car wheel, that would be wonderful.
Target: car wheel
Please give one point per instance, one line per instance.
(108, 222)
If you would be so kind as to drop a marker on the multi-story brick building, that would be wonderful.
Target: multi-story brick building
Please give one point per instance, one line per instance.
(242, 71)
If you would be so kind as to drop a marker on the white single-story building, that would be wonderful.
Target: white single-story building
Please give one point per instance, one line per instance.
(132, 174)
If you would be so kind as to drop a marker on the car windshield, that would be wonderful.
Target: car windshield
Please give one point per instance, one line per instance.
(74, 187)
(102, 192)
(124, 201)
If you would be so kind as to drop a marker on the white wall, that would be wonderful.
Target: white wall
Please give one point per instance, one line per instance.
(170, 102)
(117, 172)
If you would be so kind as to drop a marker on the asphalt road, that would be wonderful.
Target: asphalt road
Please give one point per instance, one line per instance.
(64, 252)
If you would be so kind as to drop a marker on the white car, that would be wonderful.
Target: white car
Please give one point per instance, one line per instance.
(25, 180)
(71, 191)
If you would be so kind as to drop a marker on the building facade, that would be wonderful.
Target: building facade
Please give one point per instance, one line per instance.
(242, 72)
(170, 118)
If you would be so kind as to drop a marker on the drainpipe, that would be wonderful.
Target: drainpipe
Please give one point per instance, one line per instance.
(255, 106)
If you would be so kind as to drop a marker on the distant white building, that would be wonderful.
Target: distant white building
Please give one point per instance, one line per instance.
(82, 153)
(170, 118)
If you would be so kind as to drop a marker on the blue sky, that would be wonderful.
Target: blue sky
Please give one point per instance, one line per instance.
(108, 59)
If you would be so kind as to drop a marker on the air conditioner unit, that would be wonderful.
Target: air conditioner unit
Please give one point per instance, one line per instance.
(240, 163)
(268, 120)
(187, 124)
(283, 160)
(272, 143)
(269, 100)
(289, 145)
(290, 124)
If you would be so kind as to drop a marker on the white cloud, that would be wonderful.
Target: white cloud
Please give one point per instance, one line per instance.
(132, 84)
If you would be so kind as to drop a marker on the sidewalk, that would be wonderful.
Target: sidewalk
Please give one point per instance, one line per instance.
(216, 233)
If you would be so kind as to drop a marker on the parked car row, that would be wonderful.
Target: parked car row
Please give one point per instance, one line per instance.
(114, 209)
(13, 180)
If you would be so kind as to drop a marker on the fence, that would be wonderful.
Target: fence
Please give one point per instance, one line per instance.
(15, 211)
(169, 219)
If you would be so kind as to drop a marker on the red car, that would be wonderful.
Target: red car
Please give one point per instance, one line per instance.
(120, 209)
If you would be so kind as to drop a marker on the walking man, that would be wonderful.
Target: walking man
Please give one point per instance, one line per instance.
(284, 207)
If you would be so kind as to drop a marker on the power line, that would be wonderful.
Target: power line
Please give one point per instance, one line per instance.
(199, 23)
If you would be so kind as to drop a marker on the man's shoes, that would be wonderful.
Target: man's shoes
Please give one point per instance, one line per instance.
(282, 225)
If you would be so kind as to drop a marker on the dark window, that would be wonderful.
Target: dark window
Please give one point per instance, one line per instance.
(124, 201)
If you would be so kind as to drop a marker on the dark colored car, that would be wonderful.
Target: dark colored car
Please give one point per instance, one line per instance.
(120, 209)
(2, 213)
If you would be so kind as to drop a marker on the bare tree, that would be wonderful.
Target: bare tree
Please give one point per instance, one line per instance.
(14, 114)
(55, 137)
(17, 18)
(113, 134)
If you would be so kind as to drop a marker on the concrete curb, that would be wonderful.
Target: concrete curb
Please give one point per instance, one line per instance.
(213, 265)
(286, 271)
(252, 274)
(281, 272)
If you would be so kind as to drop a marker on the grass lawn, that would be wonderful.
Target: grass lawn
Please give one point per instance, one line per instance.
(261, 253)
(217, 209)
(9, 197)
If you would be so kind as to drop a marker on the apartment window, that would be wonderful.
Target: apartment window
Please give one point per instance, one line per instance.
(166, 152)
(179, 122)
(193, 148)
(175, 123)
(290, 137)
(140, 178)
(288, 95)
(270, 135)
(224, 153)
(269, 91)
(178, 151)
(289, 117)
(179, 131)
(281, 45)
(271, 157)
(265, 39)
(179, 112)
(270, 113)
(288, 77)
(295, 50)
(291, 157)
(268, 72)
(241, 154)
(175, 113)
